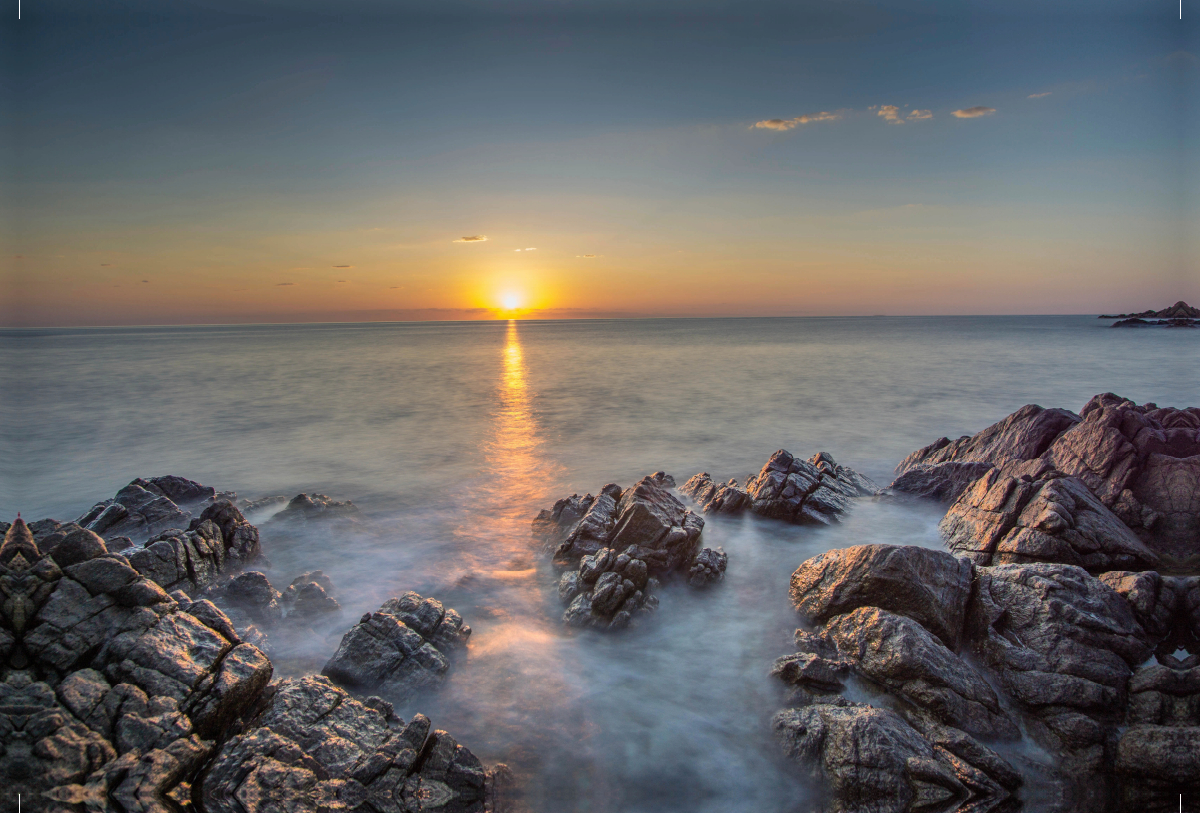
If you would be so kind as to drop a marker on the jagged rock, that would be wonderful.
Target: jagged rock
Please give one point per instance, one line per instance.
(1161, 755)
(251, 593)
(114, 695)
(610, 590)
(263, 502)
(929, 586)
(873, 760)
(814, 491)
(707, 566)
(400, 649)
(716, 498)
(1062, 643)
(1005, 520)
(146, 507)
(316, 748)
(944, 482)
(304, 508)
(1140, 462)
(309, 595)
(218, 540)
(905, 658)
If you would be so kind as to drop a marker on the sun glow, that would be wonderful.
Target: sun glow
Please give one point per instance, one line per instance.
(510, 301)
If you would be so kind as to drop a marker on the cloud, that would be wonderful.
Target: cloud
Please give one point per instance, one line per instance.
(524, 249)
(395, 287)
(586, 256)
(1038, 95)
(474, 238)
(920, 115)
(284, 283)
(973, 112)
(890, 113)
(145, 280)
(343, 266)
(790, 124)
(341, 280)
(105, 265)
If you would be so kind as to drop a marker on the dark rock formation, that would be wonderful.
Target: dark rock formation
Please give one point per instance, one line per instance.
(814, 491)
(218, 540)
(399, 649)
(614, 545)
(1180, 310)
(146, 507)
(304, 508)
(117, 696)
(1141, 463)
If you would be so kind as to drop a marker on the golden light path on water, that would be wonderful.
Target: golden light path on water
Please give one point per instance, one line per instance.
(517, 682)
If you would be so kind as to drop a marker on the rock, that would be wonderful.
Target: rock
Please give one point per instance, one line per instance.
(304, 508)
(78, 546)
(315, 747)
(906, 659)
(115, 695)
(1163, 755)
(1056, 637)
(943, 482)
(929, 586)
(873, 760)
(814, 491)
(707, 566)
(218, 540)
(251, 593)
(716, 498)
(146, 507)
(605, 586)
(1005, 520)
(400, 649)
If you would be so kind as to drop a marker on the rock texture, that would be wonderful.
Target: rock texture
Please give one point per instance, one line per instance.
(1071, 613)
(118, 696)
(146, 507)
(816, 490)
(400, 649)
(305, 508)
(617, 543)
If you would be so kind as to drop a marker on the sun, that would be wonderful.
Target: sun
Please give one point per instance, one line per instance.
(510, 301)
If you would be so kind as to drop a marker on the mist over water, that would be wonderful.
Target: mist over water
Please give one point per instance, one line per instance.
(452, 436)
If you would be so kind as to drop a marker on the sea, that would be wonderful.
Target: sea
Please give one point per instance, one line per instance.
(450, 437)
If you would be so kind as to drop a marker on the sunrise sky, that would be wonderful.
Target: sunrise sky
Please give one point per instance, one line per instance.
(262, 162)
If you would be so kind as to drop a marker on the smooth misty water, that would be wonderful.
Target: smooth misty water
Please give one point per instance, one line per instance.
(452, 436)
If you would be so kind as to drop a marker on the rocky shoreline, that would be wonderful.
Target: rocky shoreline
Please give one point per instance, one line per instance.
(1181, 314)
(1048, 658)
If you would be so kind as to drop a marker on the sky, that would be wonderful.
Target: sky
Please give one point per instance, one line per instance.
(276, 162)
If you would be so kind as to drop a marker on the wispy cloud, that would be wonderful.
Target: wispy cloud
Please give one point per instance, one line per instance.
(474, 238)
(973, 112)
(525, 249)
(1039, 95)
(586, 256)
(145, 280)
(343, 266)
(791, 124)
(284, 283)
(892, 115)
(105, 265)
(341, 280)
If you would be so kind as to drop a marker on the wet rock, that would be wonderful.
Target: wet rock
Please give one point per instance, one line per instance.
(400, 649)
(716, 498)
(146, 507)
(1162, 755)
(1062, 643)
(707, 566)
(943, 482)
(873, 760)
(218, 540)
(906, 659)
(114, 695)
(1006, 520)
(304, 508)
(814, 491)
(251, 593)
(929, 586)
(608, 591)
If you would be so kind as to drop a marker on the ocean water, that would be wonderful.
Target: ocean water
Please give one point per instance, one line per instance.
(451, 436)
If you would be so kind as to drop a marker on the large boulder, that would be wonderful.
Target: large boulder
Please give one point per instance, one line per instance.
(929, 586)
(218, 540)
(874, 761)
(399, 649)
(817, 490)
(906, 659)
(609, 590)
(1005, 520)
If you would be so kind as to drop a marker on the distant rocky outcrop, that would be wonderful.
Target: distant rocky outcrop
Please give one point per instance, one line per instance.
(306, 508)
(147, 507)
(1180, 310)
(816, 491)
(616, 543)
(1053, 619)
